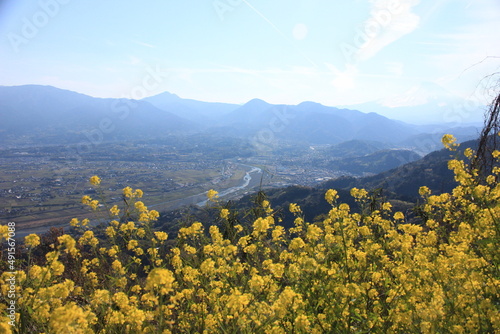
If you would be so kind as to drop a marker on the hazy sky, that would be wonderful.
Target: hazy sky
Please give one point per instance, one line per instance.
(282, 51)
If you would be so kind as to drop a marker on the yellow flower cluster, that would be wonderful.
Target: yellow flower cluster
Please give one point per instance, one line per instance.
(95, 180)
(449, 142)
(212, 195)
(130, 193)
(224, 213)
(369, 272)
(92, 203)
(331, 196)
(32, 240)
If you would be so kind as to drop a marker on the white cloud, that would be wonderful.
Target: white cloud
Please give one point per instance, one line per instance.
(388, 22)
(395, 68)
(344, 80)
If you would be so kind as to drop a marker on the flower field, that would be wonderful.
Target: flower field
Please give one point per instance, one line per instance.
(367, 272)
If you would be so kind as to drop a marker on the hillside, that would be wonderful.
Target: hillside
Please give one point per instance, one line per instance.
(355, 148)
(400, 185)
(403, 182)
(376, 162)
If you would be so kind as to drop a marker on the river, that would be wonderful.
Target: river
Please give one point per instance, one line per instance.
(250, 180)
(245, 183)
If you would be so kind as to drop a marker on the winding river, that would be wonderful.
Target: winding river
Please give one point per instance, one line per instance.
(246, 182)
(250, 180)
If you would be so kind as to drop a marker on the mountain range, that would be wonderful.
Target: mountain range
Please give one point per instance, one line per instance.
(34, 115)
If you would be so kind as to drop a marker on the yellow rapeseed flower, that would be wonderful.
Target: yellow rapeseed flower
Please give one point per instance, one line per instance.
(117, 267)
(95, 180)
(302, 323)
(296, 243)
(5, 327)
(212, 195)
(114, 210)
(386, 206)
(278, 233)
(449, 142)
(4, 232)
(127, 192)
(359, 193)
(32, 240)
(224, 213)
(153, 215)
(399, 215)
(86, 199)
(331, 196)
(69, 244)
(424, 191)
(140, 206)
(113, 250)
(138, 193)
(132, 244)
(110, 231)
(261, 225)
(71, 318)
(161, 280)
(294, 208)
(94, 204)
(75, 222)
(88, 239)
(161, 236)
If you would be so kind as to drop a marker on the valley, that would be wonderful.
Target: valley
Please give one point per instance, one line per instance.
(40, 186)
(176, 149)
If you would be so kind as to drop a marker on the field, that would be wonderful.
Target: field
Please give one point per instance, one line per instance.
(39, 190)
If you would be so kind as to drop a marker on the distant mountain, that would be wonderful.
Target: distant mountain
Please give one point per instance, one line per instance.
(34, 114)
(49, 115)
(252, 115)
(315, 123)
(424, 104)
(193, 110)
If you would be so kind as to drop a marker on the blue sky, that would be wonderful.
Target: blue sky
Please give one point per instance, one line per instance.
(332, 52)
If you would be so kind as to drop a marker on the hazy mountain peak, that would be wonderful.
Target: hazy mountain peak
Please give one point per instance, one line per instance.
(310, 104)
(426, 103)
(425, 92)
(165, 96)
(256, 103)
